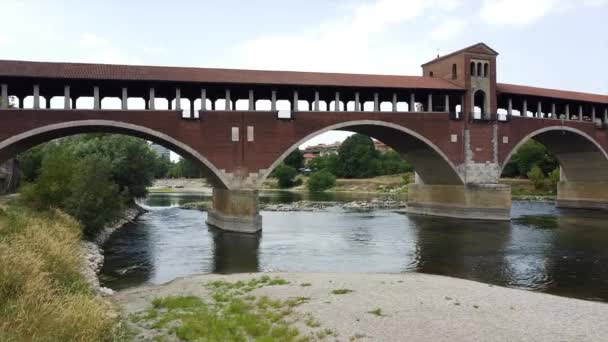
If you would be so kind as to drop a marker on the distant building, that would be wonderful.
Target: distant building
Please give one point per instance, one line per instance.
(381, 147)
(323, 149)
(161, 151)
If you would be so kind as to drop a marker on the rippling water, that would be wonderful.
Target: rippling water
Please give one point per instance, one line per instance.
(545, 249)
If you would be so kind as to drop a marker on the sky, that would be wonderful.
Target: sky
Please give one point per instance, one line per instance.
(561, 44)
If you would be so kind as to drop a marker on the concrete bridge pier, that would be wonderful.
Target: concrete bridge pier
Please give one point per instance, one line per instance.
(469, 201)
(582, 195)
(235, 211)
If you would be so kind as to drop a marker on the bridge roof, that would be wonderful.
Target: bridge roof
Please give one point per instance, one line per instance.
(85, 71)
(504, 88)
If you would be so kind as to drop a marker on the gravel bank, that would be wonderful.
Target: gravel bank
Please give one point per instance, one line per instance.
(413, 307)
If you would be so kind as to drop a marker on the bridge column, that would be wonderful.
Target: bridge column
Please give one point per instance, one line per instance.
(228, 101)
(567, 112)
(357, 102)
(429, 103)
(152, 99)
(337, 102)
(524, 110)
(553, 114)
(394, 102)
(447, 103)
(470, 201)
(582, 195)
(235, 210)
(124, 101)
(412, 105)
(580, 112)
(203, 99)
(510, 107)
(251, 100)
(66, 98)
(96, 98)
(294, 105)
(376, 102)
(593, 114)
(4, 103)
(36, 96)
(178, 99)
(273, 100)
(539, 110)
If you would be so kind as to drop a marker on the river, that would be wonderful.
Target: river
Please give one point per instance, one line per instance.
(563, 252)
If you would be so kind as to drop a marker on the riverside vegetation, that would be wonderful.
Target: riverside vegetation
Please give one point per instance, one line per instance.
(73, 188)
(357, 159)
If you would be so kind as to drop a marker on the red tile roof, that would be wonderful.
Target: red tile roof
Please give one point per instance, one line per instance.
(503, 88)
(207, 75)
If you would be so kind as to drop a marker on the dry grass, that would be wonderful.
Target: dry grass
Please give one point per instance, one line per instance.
(43, 296)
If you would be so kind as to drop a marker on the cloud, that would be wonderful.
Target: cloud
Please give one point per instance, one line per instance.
(355, 42)
(515, 12)
(521, 13)
(4, 40)
(97, 49)
(448, 29)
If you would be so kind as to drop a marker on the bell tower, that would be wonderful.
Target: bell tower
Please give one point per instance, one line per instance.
(473, 68)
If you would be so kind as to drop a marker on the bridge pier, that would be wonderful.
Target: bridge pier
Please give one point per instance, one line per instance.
(235, 211)
(582, 195)
(470, 201)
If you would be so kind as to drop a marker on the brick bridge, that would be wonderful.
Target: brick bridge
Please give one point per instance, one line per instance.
(455, 124)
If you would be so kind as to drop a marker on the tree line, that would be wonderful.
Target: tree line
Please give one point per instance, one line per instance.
(357, 157)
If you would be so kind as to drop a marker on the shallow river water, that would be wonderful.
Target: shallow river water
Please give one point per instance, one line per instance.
(544, 249)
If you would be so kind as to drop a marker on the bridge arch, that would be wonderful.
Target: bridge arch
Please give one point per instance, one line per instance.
(580, 156)
(16, 144)
(430, 162)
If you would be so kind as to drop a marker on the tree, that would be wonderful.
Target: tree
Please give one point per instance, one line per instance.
(52, 187)
(392, 163)
(295, 159)
(357, 158)
(162, 165)
(530, 154)
(95, 200)
(537, 177)
(184, 168)
(321, 181)
(286, 175)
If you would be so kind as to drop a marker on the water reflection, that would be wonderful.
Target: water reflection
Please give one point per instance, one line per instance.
(235, 253)
(543, 248)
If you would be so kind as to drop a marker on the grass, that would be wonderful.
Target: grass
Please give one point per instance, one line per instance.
(341, 291)
(377, 312)
(229, 314)
(43, 296)
(305, 284)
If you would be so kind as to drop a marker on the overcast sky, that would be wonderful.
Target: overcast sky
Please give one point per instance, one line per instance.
(559, 44)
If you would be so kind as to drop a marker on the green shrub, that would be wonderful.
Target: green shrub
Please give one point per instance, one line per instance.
(286, 175)
(553, 179)
(537, 177)
(321, 181)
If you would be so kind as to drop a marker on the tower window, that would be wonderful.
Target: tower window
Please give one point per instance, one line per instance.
(479, 69)
(472, 68)
(485, 70)
(454, 74)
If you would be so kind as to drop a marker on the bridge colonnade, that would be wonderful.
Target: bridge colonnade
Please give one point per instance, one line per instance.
(455, 124)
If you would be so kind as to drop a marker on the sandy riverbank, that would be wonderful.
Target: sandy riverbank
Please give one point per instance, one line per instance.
(413, 307)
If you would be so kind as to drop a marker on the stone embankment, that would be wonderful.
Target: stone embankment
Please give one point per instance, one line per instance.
(93, 252)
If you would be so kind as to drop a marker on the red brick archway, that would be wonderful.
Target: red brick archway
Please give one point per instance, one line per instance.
(431, 163)
(21, 142)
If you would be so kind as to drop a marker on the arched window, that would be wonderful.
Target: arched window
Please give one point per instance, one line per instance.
(479, 102)
(431, 73)
(454, 74)
(479, 69)
(485, 70)
(472, 68)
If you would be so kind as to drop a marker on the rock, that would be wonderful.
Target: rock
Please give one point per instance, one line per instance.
(93, 254)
